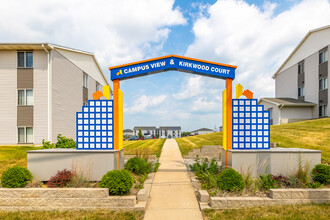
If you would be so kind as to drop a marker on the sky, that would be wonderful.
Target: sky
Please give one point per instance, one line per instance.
(256, 36)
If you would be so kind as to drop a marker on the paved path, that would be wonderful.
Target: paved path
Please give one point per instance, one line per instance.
(172, 195)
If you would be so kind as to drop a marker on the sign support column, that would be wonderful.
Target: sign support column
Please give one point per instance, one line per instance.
(116, 86)
(229, 104)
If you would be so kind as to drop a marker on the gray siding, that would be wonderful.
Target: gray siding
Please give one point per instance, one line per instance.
(67, 93)
(40, 92)
(286, 83)
(8, 97)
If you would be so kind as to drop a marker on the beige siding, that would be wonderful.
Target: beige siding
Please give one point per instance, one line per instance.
(312, 81)
(85, 62)
(40, 127)
(8, 97)
(67, 81)
(286, 83)
(294, 114)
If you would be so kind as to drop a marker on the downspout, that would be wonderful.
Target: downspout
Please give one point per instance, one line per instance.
(48, 93)
(279, 112)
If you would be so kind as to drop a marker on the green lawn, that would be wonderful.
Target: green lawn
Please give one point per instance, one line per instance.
(13, 156)
(54, 215)
(272, 212)
(151, 146)
(313, 134)
(186, 144)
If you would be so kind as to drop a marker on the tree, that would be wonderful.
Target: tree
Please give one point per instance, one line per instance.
(140, 134)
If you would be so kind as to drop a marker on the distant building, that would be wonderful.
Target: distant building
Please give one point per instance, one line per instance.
(42, 87)
(145, 130)
(162, 132)
(202, 131)
(169, 132)
(127, 132)
(301, 82)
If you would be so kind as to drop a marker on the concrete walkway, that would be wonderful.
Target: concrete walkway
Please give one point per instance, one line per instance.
(172, 195)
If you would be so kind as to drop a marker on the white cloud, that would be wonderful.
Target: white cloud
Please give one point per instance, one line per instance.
(253, 38)
(144, 103)
(190, 87)
(116, 31)
(202, 104)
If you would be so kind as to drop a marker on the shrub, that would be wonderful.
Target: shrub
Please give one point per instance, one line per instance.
(119, 182)
(282, 181)
(61, 179)
(204, 166)
(47, 144)
(230, 180)
(208, 180)
(137, 166)
(321, 173)
(267, 182)
(314, 185)
(63, 142)
(16, 177)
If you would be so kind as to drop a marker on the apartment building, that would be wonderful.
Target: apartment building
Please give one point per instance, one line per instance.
(43, 85)
(301, 82)
(162, 131)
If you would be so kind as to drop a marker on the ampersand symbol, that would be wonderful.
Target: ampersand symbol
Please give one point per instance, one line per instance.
(172, 62)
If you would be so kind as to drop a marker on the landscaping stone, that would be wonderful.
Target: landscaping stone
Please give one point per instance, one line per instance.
(203, 196)
(278, 197)
(142, 195)
(64, 199)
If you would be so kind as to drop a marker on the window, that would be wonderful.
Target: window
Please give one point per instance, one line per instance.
(323, 83)
(323, 110)
(25, 134)
(85, 82)
(300, 68)
(85, 103)
(24, 59)
(301, 91)
(97, 86)
(323, 56)
(25, 97)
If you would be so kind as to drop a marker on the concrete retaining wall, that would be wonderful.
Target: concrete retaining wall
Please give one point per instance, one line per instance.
(64, 199)
(277, 197)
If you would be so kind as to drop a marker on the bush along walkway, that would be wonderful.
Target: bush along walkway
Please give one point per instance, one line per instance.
(172, 195)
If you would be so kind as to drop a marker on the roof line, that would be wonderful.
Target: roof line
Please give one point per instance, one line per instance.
(298, 46)
(52, 46)
(286, 104)
(168, 56)
(84, 52)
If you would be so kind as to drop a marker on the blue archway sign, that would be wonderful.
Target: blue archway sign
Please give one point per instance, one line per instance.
(172, 62)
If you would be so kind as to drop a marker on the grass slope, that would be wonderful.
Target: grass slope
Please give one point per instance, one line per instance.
(54, 215)
(151, 146)
(11, 156)
(313, 211)
(186, 144)
(312, 134)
